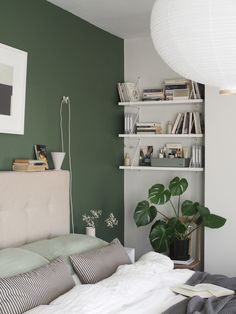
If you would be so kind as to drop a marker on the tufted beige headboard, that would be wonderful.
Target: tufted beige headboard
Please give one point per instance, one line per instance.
(33, 206)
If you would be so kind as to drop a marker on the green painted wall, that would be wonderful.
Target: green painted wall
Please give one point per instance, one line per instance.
(68, 56)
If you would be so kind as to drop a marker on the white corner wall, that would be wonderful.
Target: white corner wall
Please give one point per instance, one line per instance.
(220, 181)
(142, 60)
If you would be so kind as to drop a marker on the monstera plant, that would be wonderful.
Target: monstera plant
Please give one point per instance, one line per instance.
(187, 216)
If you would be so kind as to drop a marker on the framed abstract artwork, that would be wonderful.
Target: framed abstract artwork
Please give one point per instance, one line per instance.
(13, 68)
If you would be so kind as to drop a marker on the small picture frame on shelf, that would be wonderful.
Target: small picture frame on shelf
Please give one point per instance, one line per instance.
(174, 150)
(145, 155)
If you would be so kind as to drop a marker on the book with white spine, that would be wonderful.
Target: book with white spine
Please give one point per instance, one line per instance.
(203, 290)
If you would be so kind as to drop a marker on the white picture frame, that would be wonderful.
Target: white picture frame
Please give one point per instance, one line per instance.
(13, 123)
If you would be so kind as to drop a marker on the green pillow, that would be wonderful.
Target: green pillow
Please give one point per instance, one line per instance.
(14, 261)
(65, 245)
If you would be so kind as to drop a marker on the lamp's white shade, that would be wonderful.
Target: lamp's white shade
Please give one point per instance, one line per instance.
(197, 39)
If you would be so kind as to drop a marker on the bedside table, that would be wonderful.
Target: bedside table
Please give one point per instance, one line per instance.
(193, 266)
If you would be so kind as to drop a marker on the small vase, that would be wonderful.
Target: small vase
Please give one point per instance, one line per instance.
(57, 158)
(90, 231)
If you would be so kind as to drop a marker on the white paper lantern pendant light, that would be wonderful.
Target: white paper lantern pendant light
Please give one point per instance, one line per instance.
(197, 39)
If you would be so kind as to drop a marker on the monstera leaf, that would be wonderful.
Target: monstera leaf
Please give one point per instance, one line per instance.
(144, 214)
(178, 186)
(203, 211)
(158, 194)
(177, 225)
(161, 236)
(189, 208)
(213, 221)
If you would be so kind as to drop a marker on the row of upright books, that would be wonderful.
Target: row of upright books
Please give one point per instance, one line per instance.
(197, 156)
(173, 89)
(188, 123)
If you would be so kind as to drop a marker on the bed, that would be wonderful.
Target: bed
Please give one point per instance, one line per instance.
(38, 252)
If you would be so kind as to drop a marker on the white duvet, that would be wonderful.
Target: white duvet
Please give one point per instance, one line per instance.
(140, 288)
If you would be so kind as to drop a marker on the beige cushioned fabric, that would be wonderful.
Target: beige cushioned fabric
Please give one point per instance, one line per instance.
(33, 206)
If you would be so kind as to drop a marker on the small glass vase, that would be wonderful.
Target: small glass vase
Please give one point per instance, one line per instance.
(90, 231)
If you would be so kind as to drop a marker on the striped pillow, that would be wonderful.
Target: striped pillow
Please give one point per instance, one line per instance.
(98, 264)
(23, 292)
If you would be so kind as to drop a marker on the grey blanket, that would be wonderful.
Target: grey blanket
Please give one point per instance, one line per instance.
(213, 305)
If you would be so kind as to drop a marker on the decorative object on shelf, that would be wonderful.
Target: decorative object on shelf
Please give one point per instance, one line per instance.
(91, 221)
(129, 91)
(127, 160)
(145, 155)
(169, 127)
(57, 158)
(41, 154)
(188, 216)
(13, 67)
(197, 40)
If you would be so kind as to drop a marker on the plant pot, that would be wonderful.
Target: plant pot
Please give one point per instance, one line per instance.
(90, 231)
(179, 250)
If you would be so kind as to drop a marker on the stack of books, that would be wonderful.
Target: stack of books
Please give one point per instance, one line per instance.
(188, 123)
(153, 94)
(146, 127)
(177, 89)
(128, 92)
(28, 165)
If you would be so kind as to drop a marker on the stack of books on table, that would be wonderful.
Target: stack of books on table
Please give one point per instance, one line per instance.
(28, 165)
(177, 89)
(153, 94)
(188, 123)
(146, 127)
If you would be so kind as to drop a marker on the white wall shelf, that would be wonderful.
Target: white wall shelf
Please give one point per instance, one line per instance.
(161, 168)
(160, 102)
(161, 135)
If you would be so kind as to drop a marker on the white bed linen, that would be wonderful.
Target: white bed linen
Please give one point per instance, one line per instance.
(140, 288)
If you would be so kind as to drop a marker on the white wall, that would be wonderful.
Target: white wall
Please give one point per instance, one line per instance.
(220, 181)
(142, 60)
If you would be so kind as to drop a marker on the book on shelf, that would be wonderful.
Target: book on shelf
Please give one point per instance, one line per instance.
(41, 154)
(28, 162)
(197, 90)
(197, 122)
(203, 290)
(187, 262)
(177, 81)
(174, 128)
(28, 168)
(188, 123)
(153, 94)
